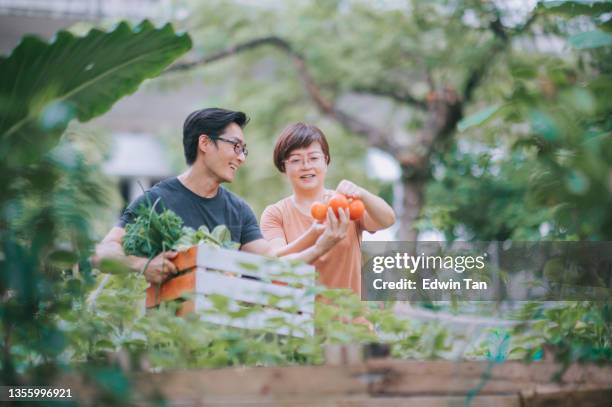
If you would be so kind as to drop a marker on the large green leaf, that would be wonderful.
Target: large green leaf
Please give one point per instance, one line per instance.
(573, 8)
(45, 85)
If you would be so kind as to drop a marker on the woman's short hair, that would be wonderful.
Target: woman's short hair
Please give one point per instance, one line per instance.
(295, 136)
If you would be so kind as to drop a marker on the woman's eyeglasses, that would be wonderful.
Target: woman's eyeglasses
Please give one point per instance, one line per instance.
(239, 148)
(296, 162)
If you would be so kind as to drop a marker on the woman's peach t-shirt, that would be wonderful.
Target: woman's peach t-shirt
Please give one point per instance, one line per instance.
(340, 267)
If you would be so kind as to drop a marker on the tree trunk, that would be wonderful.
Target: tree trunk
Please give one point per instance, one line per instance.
(413, 199)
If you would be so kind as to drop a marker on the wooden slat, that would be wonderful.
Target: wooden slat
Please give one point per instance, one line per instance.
(186, 260)
(185, 308)
(262, 267)
(171, 289)
(447, 378)
(385, 378)
(361, 401)
(359, 385)
(253, 291)
(259, 319)
(591, 398)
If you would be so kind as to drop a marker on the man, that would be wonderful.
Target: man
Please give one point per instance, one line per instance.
(214, 148)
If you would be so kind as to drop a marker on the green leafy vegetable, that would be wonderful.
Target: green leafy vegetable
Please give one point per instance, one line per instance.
(151, 232)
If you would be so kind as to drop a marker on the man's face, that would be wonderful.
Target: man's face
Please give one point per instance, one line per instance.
(222, 160)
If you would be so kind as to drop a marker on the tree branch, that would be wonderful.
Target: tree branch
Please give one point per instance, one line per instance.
(375, 137)
(392, 92)
(502, 34)
(230, 51)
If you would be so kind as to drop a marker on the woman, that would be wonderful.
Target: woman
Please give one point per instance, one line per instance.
(302, 154)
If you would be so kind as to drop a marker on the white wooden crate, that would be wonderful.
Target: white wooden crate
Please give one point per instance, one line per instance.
(274, 295)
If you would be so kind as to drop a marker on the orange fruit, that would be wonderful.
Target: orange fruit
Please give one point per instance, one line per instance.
(356, 209)
(338, 201)
(318, 211)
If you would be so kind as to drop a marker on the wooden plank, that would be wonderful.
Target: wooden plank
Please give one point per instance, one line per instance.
(253, 291)
(186, 259)
(252, 264)
(538, 372)
(348, 386)
(591, 398)
(248, 383)
(359, 401)
(185, 308)
(448, 378)
(329, 382)
(171, 290)
(259, 319)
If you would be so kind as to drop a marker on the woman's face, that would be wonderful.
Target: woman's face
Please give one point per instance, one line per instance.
(306, 167)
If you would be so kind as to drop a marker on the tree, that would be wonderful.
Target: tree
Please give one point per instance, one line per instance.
(429, 59)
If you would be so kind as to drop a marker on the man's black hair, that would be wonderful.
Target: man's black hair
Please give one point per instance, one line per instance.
(211, 122)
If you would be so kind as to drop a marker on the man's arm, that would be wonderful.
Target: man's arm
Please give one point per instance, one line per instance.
(335, 231)
(157, 270)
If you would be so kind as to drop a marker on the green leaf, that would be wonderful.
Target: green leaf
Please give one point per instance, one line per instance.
(222, 233)
(578, 7)
(544, 125)
(478, 118)
(45, 85)
(591, 39)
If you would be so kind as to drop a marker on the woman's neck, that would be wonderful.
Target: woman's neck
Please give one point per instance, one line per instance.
(307, 197)
(200, 182)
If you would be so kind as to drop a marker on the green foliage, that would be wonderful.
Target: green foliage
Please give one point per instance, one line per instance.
(154, 231)
(151, 232)
(51, 191)
(219, 237)
(109, 321)
(548, 177)
(571, 331)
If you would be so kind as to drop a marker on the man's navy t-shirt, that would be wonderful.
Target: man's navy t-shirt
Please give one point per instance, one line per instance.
(225, 208)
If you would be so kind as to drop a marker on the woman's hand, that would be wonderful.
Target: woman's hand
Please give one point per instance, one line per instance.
(350, 189)
(316, 229)
(335, 229)
(378, 215)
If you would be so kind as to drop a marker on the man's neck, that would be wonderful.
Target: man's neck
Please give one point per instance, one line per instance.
(200, 182)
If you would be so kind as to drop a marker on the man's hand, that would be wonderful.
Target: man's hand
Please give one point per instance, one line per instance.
(160, 268)
(335, 229)
(350, 189)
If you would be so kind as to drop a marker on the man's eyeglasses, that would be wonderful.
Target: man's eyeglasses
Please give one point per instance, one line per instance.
(295, 162)
(239, 148)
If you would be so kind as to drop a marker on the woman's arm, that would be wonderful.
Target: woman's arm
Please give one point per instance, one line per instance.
(333, 232)
(379, 215)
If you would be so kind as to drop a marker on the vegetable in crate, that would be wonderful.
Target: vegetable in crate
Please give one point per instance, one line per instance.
(219, 237)
(151, 232)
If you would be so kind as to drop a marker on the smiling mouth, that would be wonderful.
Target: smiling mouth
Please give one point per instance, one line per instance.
(308, 176)
(233, 167)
